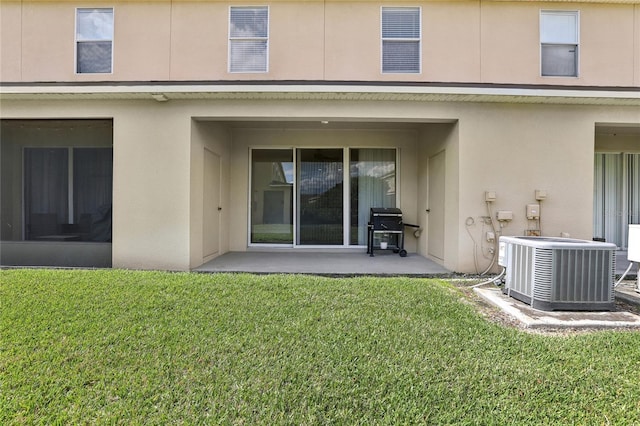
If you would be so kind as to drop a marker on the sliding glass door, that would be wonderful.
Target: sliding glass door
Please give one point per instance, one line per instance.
(307, 202)
(373, 184)
(272, 196)
(616, 196)
(320, 199)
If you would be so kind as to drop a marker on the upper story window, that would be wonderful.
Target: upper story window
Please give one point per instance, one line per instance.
(401, 39)
(559, 42)
(248, 39)
(94, 41)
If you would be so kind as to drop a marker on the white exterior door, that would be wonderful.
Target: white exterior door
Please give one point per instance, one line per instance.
(436, 205)
(211, 204)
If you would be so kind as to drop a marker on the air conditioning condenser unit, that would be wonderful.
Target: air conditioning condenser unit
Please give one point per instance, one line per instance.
(559, 273)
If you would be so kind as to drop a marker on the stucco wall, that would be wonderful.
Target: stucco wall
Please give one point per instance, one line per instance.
(10, 47)
(462, 41)
(510, 149)
(516, 149)
(151, 185)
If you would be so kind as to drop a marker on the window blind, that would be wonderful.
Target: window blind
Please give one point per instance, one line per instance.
(401, 22)
(559, 60)
(248, 39)
(559, 43)
(401, 39)
(559, 27)
(94, 40)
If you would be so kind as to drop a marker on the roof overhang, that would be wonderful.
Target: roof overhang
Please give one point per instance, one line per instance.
(323, 91)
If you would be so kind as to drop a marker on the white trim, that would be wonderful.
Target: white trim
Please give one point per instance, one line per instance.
(397, 177)
(294, 195)
(325, 92)
(346, 195)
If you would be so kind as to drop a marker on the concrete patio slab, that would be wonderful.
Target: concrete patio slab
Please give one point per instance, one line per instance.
(628, 292)
(329, 262)
(534, 318)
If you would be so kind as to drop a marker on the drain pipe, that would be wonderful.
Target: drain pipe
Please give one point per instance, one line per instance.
(492, 280)
(497, 235)
(493, 262)
(625, 274)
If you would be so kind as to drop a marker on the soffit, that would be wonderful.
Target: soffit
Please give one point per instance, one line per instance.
(614, 129)
(323, 92)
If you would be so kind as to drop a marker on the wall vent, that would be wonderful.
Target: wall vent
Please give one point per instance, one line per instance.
(559, 273)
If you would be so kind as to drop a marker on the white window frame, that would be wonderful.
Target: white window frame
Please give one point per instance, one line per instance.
(77, 40)
(574, 13)
(397, 39)
(253, 38)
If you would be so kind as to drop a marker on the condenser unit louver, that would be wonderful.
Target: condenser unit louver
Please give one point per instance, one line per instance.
(559, 273)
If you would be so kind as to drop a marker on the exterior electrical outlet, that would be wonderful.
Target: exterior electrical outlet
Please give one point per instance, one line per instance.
(504, 215)
(533, 211)
(490, 196)
(541, 194)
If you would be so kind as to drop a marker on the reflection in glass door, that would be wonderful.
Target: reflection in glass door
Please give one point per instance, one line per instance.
(272, 196)
(320, 197)
(302, 201)
(372, 173)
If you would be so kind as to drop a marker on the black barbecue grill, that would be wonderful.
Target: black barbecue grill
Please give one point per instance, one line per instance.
(386, 230)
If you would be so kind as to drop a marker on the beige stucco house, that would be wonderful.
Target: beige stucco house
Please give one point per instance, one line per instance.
(162, 134)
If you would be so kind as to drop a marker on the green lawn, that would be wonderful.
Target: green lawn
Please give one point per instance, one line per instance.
(165, 348)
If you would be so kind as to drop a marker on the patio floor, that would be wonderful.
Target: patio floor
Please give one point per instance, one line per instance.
(324, 262)
(342, 262)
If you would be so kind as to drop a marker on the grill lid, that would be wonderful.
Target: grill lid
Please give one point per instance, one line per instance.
(385, 211)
